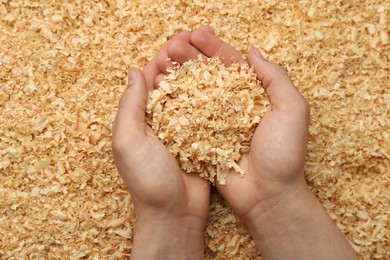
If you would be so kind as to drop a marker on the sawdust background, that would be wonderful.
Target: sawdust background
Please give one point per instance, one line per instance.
(63, 68)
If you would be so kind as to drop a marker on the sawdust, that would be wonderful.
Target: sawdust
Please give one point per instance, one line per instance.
(63, 68)
(206, 114)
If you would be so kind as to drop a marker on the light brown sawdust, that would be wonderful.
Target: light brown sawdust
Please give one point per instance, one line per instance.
(206, 114)
(63, 67)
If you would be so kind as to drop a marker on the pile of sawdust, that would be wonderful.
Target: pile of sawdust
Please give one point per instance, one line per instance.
(206, 115)
(63, 67)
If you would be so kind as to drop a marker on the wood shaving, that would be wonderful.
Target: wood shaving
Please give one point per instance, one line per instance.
(206, 115)
(61, 80)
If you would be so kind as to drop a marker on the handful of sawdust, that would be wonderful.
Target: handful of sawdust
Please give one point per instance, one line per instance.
(206, 114)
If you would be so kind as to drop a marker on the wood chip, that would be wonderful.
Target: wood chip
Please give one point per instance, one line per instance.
(206, 115)
(63, 67)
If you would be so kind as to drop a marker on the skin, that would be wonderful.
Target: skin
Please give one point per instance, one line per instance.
(283, 216)
(171, 206)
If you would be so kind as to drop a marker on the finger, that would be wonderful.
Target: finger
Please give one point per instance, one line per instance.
(280, 89)
(164, 58)
(182, 51)
(211, 46)
(207, 29)
(158, 79)
(152, 69)
(132, 105)
(163, 61)
(179, 50)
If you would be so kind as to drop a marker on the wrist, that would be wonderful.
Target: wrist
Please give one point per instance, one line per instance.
(273, 217)
(296, 226)
(168, 238)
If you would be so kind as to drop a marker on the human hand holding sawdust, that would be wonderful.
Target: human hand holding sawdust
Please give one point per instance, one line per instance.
(273, 199)
(171, 206)
(275, 161)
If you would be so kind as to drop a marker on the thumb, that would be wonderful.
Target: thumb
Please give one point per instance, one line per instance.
(276, 82)
(132, 105)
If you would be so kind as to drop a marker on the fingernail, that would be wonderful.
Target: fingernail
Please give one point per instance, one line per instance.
(258, 54)
(132, 77)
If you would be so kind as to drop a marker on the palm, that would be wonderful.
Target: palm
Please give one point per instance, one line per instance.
(275, 158)
(277, 153)
(157, 180)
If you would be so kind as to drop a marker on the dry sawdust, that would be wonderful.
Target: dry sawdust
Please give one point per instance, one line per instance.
(63, 68)
(206, 114)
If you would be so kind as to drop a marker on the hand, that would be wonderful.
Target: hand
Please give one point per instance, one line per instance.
(274, 164)
(171, 206)
(283, 216)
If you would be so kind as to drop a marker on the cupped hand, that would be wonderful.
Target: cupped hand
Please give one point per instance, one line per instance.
(274, 164)
(170, 205)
